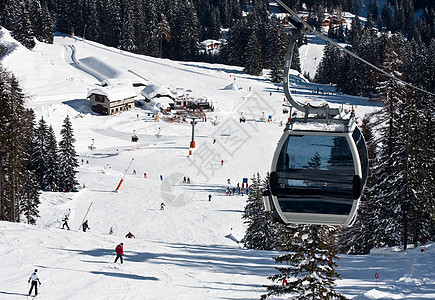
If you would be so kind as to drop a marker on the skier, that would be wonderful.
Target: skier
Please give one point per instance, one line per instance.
(130, 235)
(229, 181)
(134, 171)
(222, 162)
(119, 252)
(111, 230)
(161, 177)
(188, 180)
(184, 179)
(65, 223)
(209, 197)
(85, 226)
(214, 141)
(35, 279)
(162, 206)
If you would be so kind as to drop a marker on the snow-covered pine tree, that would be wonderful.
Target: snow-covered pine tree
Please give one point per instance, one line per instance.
(68, 162)
(46, 34)
(162, 32)
(276, 43)
(13, 129)
(29, 193)
(127, 37)
(233, 52)
(327, 70)
(385, 205)
(309, 271)
(259, 232)
(39, 165)
(141, 27)
(254, 57)
(184, 42)
(30, 197)
(23, 30)
(50, 179)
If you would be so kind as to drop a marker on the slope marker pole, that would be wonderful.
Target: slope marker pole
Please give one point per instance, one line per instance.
(122, 179)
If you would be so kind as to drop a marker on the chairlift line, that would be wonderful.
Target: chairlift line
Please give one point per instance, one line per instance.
(295, 15)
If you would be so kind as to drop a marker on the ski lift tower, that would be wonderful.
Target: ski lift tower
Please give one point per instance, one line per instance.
(192, 142)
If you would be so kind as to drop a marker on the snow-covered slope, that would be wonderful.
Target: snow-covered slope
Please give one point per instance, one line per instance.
(188, 250)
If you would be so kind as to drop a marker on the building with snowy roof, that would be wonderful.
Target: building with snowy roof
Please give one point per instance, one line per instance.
(112, 99)
(210, 45)
(152, 91)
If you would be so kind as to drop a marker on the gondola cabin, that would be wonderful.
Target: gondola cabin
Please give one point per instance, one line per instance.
(318, 173)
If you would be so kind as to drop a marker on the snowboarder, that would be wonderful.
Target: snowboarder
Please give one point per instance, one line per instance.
(35, 279)
(162, 206)
(65, 223)
(85, 226)
(111, 230)
(209, 197)
(130, 235)
(119, 252)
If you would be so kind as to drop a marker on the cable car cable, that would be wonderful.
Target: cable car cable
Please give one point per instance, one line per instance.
(315, 32)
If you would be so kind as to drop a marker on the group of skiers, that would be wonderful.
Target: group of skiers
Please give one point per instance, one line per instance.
(232, 191)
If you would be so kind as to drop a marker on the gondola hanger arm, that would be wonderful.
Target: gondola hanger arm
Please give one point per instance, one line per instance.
(320, 35)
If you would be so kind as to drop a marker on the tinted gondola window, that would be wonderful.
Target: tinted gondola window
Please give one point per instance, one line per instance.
(315, 175)
(362, 153)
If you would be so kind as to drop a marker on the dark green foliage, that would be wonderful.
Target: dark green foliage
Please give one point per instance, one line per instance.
(309, 271)
(254, 57)
(259, 232)
(51, 178)
(16, 126)
(68, 162)
(184, 33)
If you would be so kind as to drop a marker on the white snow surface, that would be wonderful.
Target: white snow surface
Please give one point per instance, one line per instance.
(189, 250)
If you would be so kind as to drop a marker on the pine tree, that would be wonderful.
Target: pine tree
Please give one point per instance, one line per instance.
(30, 197)
(259, 232)
(68, 162)
(253, 55)
(127, 40)
(50, 179)
(30, 187)
(184, 32)
(162, 32)
(39, 164)
(327, 70)
(22, 27)
(13, 156)
(233, 52)
(309, 271)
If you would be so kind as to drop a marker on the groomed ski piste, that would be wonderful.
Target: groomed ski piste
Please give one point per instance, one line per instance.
(189, 250)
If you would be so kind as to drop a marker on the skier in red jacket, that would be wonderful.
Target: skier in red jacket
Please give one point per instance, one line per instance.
(119, 252)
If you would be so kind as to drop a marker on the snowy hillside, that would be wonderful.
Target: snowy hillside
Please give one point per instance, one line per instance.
(189, 249)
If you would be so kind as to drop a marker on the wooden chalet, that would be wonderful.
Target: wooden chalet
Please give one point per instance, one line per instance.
(109, 100)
